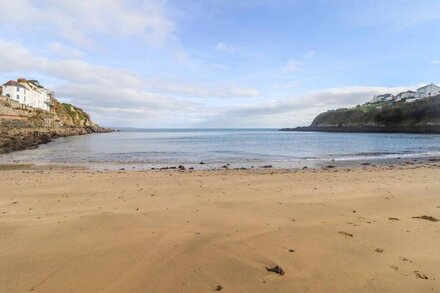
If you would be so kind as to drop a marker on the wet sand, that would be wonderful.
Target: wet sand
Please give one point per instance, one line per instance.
(336, 230)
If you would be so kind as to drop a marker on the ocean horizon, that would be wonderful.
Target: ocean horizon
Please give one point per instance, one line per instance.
(140, 148)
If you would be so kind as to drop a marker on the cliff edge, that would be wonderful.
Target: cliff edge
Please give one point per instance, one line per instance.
(23, 127)
(420, 116)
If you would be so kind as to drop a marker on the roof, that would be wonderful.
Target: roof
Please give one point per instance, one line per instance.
(423, 87)
(407, 92)
(385, 95)
(35, 82)
(13, 83)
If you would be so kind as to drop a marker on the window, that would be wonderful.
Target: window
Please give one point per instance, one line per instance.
(18, 97)
(18, 89)
(8, 95)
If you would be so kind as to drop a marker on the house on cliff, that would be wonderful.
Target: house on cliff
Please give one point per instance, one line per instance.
(405, 96)
(383, 98)
(429, 90)
(28, 92)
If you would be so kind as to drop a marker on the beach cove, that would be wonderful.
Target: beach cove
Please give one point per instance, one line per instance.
(69, 229)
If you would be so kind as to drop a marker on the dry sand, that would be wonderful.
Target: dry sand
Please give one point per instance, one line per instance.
(329, 230)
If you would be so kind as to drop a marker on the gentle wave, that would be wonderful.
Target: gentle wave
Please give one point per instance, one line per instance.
(239, 147)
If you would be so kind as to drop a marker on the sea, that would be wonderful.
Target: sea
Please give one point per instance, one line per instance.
(234, 148)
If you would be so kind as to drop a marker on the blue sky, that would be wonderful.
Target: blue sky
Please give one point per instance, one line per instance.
(219, 63)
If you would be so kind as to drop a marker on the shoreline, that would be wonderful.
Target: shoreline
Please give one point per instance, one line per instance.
(31, 138)
(24, 127)
(327, 169)
(403, 160)
(434, 129)
(69, 230)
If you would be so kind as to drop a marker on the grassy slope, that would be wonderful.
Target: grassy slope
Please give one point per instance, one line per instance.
(419, 113)
(70, 115)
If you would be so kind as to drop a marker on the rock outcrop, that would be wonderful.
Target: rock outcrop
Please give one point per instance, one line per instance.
(24, 127)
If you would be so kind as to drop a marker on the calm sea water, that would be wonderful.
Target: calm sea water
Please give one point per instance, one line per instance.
(217, 147)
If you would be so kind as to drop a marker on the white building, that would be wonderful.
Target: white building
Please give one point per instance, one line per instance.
(28, 92)
(408, 95)
(383, 98)
(15, 91)
(427, 91)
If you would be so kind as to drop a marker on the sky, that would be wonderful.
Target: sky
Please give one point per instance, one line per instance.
(219, 63)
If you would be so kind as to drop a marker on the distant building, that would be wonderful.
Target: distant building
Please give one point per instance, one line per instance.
(427, 91)
(383, 98)
(409, 96)
(28, 92)
(14, 90)
(405, 95)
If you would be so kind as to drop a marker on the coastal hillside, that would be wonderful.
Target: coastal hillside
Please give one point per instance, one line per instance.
(23, 127)
(71, 115)
(420, 116)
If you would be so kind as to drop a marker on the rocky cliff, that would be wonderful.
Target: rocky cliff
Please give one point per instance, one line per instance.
(422, 116)
(23, 127)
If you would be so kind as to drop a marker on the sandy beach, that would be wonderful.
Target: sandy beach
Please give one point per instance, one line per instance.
(336, 230)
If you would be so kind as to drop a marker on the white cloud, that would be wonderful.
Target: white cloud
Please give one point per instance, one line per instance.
(219, 66)
(245, 92)
(95, 87)
(121, 97)
(201, 91)
(77, 21)
(309, 54)
(291, 66)
(225, 47)
(116, 96)
(294, 65)
(64, 51)
(394, 14)
(296, 110)
(285, 85)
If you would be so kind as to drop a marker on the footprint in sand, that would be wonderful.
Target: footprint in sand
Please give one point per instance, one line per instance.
(421, 276)
(405, 259)
(427, 218)
(345, 234)
(276, 269)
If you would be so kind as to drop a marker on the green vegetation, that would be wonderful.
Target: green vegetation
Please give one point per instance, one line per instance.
(422, 112)
(69, 110)
(77, 115)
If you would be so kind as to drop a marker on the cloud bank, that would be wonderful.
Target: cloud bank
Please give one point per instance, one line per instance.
(118, 97)
(80, 21)
(149, 64)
